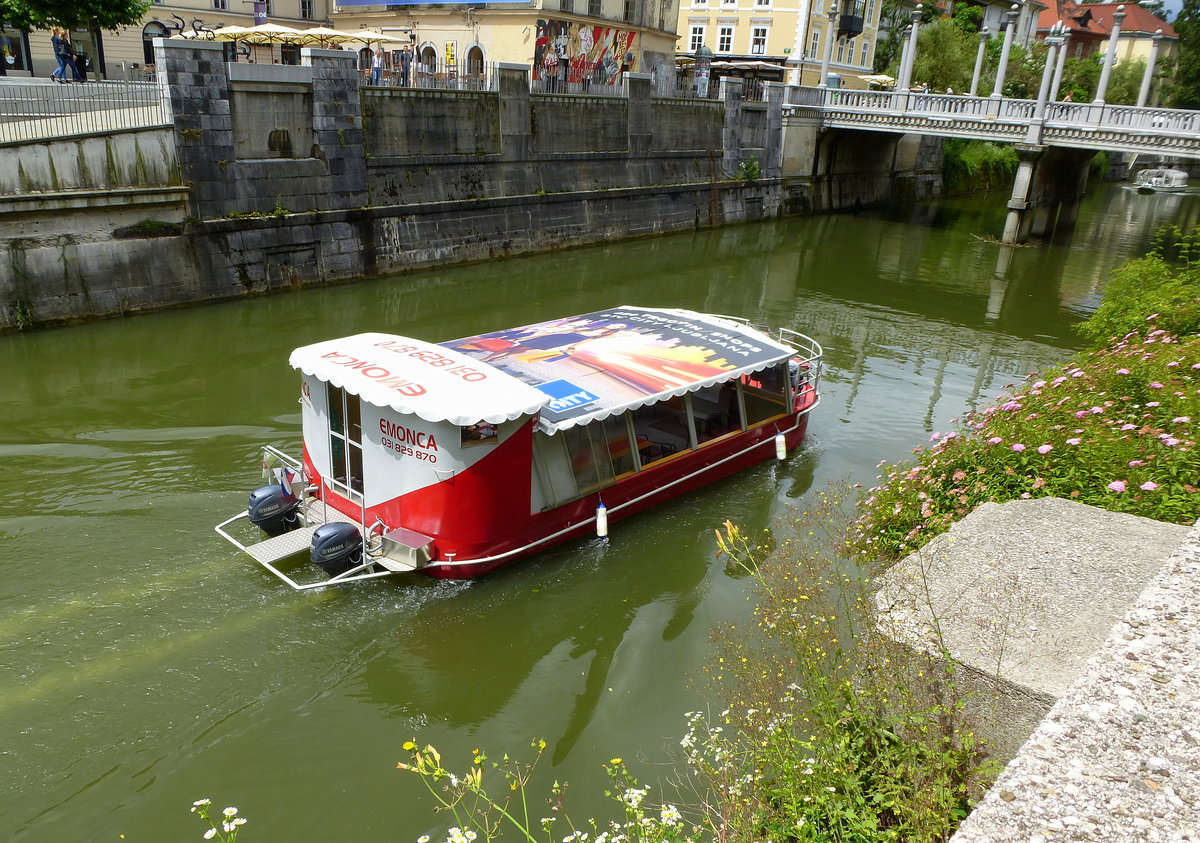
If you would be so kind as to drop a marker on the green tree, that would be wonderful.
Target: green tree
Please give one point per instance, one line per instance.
(945, 56)
(73, 14)
(1185, 87)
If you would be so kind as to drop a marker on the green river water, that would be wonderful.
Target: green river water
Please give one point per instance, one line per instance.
(145, 664)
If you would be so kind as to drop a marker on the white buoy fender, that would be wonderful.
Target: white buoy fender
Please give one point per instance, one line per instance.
(601, 521)
(780, 446)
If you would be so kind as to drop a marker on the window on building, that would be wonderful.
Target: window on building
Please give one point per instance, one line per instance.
(841, 50)
(566, 6)
(758, 40)
(728, 2)
(762, 2)
(696, 39)
(630, 10)
(870, 12)
(815, 46)
(220, 5)
(306, 9)
(595, 8)
(866, 48)
(725, 39)
(699, 2)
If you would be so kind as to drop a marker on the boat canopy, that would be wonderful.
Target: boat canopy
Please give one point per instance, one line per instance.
(417, 377)
(599, 364)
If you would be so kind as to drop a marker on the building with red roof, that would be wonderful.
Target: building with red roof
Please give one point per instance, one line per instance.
(1089, 26)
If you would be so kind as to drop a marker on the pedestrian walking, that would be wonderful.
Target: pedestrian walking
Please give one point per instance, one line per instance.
(65, 53)
(377, 67)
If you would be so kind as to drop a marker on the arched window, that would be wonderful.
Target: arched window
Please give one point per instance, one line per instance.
(150, 31)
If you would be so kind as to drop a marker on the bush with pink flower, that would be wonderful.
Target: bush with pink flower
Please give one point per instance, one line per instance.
(1113, 428)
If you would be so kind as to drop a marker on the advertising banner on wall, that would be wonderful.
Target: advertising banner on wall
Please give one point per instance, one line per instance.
(581, 52)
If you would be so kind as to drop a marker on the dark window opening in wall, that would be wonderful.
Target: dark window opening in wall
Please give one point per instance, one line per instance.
(595, 8)
(289, 54)
(306, 9)
(566, 5)
(630, 10)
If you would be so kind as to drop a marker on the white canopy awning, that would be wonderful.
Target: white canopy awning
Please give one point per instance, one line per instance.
(412, 376)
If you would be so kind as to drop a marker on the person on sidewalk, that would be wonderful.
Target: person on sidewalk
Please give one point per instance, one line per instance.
(65, 53)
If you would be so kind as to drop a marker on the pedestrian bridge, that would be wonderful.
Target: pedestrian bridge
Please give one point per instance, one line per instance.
(1156, 132)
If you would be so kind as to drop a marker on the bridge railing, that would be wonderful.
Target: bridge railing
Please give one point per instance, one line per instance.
(1091, 125)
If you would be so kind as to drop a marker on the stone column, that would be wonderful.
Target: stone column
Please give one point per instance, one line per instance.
(910, 53)
(1110, 58)
(337, 126)
(731, 134)
(1148, 76)
(638, 89)
(1011, 14)
(984, 35)
(1015, 225)
(830, 37)
(1058, 67)
(194, 76)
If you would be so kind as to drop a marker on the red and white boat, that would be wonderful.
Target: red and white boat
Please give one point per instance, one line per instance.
(454, 459)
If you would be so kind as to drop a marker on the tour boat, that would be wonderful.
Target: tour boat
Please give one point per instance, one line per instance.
(1154, 181)
(454, 459)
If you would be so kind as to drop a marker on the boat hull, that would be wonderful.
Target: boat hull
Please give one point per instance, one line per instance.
(678, 476)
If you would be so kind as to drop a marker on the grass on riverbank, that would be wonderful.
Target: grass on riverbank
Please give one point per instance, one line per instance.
(1114, 428)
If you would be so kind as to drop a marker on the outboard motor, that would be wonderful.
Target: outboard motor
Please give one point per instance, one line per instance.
(274, 510)
(337, 547)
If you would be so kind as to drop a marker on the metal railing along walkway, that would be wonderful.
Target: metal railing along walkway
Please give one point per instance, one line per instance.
(1161, 131)
(33, 110)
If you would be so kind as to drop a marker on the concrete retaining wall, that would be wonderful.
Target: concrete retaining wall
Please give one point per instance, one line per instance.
(275, 176)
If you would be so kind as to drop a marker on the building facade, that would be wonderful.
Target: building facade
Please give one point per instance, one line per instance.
(790, 33)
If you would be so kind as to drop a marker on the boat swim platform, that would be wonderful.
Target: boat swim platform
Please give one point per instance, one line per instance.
(275, 549)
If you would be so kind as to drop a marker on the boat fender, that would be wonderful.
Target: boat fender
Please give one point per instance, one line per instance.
(601, 520)
(780, 446)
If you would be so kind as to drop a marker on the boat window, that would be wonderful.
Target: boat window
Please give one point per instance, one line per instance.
(479, 434)
(345, 439)
(662, 429)
(715, 411)
(765, 394)
(590, 462)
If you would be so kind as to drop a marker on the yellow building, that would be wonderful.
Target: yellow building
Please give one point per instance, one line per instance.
(597, 38)
(790, 33)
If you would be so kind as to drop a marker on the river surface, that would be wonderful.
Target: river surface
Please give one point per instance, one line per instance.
(145, 664)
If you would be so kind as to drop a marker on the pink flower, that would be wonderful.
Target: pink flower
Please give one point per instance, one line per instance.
(1170, 441)
(1080, 413)
(1096, 410)
(935, 437)
(1173, 364)
(1117, 485)
(1136, 463)
(1128, 426)
(1045, 449)
(1148, 486)
(1075, 440)
(1181, 420)
(1017, 446)
(995, 440)
(1156, 385)
(1077, 374)
(1122, 371)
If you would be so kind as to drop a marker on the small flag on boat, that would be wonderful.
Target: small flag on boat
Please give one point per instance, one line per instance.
(285, 476)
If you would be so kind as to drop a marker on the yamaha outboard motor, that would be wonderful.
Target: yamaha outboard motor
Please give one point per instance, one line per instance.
(337, 547)
(274, 510)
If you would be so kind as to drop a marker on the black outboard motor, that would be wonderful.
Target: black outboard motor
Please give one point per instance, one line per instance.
(337, 547)
(274, 510)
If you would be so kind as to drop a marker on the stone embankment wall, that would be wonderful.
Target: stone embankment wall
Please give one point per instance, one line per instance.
(276, 176)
